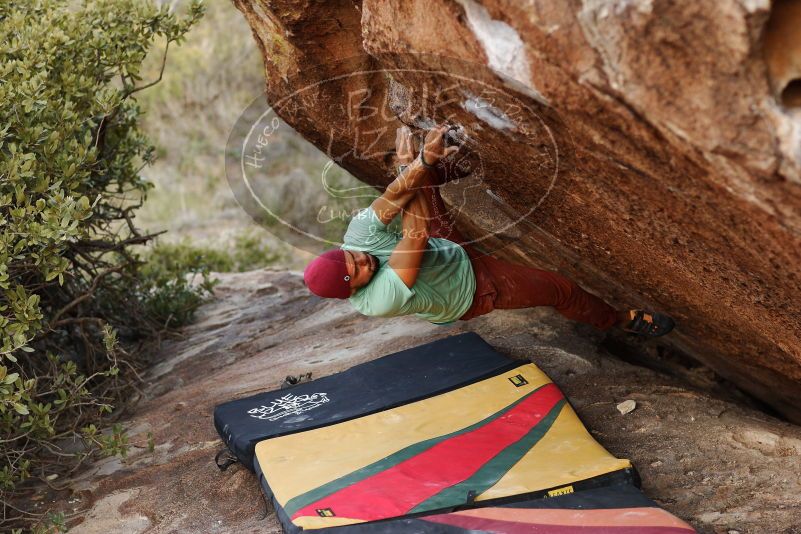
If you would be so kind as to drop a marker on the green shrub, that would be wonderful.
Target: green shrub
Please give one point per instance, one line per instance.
(247, 253)
(251, 253)
(167, 257)
(74, 304)
(176, 278)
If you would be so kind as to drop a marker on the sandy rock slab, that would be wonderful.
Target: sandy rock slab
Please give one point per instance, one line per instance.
(705, 458)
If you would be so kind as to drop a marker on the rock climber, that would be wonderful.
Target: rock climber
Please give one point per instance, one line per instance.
(429, 269)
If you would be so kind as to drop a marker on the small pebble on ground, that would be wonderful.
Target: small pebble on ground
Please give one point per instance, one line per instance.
(626, 406)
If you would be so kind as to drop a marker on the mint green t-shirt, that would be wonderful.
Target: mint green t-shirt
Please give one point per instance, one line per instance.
(444, 288)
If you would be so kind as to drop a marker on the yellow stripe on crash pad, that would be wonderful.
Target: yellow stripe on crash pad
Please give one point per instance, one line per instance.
(298, 463)
(566, 454)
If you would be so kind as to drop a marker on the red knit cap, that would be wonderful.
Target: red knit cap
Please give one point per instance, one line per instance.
(327, 275)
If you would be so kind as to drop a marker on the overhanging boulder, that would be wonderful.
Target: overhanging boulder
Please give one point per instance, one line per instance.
(649, 149)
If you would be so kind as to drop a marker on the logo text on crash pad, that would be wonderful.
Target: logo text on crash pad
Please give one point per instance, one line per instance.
(288, 405)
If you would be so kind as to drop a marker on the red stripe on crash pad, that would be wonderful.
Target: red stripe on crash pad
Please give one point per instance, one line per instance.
(495, 526)
(397, 490)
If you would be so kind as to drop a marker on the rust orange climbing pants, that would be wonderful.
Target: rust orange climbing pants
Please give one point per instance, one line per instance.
(501, 285)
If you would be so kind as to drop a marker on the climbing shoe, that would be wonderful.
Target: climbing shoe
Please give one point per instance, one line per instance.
(648, 324)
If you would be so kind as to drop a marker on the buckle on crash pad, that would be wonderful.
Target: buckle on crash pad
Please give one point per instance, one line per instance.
(291, 380)
(228, 460)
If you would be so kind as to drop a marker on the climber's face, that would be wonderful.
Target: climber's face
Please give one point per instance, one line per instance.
(361, 268)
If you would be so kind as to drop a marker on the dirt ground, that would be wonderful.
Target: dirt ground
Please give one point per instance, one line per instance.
(702, 453)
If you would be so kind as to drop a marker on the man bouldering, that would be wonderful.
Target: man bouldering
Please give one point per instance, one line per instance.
(430, 270)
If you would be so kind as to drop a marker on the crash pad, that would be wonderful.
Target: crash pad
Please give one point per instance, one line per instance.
(512, 435)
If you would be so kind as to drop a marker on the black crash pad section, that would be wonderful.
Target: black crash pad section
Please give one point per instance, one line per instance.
(387, 382)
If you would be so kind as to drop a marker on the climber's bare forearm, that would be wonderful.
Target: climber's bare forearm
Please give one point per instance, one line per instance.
(401, 191)
(416, 217)
(408, 254)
